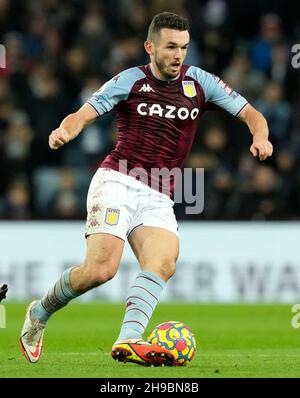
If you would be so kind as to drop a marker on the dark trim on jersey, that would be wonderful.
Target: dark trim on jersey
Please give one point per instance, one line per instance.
(45, 308)
(134, 322)
(242, 108)
(55, 295)
(137, 309)
(93, 108)
(184, 69)
(141, 287)
(149, 279)
(148, 72)
(140, 298)
(134, 229)
(63, 291)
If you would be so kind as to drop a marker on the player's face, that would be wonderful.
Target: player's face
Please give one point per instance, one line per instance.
(169, 52)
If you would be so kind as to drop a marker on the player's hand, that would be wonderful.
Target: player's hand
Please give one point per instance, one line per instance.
(58, 138)
(262, 148)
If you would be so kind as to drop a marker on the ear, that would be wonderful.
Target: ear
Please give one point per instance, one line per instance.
(149, 47)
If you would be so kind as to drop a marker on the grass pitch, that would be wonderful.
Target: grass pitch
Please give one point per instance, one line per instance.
(232, 341)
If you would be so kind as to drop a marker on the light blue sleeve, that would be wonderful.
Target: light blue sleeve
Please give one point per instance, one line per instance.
(115, 90)
(218, 92)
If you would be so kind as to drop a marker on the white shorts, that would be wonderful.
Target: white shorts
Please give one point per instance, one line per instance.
(117, 203)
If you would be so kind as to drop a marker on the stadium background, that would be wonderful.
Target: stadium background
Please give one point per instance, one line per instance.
(241, 249)
(59, 53)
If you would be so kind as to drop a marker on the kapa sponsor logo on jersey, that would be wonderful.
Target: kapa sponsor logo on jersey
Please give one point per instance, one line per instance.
(146, 88)
(169, 111)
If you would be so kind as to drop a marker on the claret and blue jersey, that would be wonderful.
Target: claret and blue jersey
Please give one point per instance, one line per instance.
(157, 120)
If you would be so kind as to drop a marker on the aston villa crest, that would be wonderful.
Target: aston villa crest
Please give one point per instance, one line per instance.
(189, 88)
(112, 216)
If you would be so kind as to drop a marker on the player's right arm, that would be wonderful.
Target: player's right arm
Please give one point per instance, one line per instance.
(102, 101)
(71, 126)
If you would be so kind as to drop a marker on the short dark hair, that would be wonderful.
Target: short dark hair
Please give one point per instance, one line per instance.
(167, 20)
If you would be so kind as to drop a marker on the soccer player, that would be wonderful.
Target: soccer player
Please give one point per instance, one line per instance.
(158, 107)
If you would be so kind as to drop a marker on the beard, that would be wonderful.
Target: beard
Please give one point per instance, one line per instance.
(163, 68)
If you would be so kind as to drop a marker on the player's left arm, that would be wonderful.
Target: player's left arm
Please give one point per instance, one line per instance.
(221, 95)
(258, 127)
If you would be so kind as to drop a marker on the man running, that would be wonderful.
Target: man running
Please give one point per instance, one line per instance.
(158, 107)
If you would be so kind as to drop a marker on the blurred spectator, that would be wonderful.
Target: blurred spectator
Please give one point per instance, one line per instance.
(93, 144)
(60, 192)
(218, 195)
(280, 62)
(245, 170)
(215, 141)
(17, 140)
(276, 110)
(270, 35)
(94, 37)
(65, 204)
(263, 200)
(126, 52)
(16, 203)
(287, 164)
(47, 104)
(215, 13)
(240, 75)
(215, 47)
(75, 69)
(134, 21)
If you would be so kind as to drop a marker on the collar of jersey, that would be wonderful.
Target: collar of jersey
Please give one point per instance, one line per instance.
(173, 81)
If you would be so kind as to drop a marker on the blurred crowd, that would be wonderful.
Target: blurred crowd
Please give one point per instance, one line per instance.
(59, 52)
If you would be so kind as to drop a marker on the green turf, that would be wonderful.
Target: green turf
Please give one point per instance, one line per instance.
(232, 341)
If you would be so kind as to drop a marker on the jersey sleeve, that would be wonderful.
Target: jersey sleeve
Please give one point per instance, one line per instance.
(115, 90)
(218, 92)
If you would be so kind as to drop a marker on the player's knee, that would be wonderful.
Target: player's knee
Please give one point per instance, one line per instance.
(101, 275)
(167, 269)
(101, 271)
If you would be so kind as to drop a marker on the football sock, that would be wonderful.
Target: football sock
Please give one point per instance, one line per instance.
(140, 304)
(56, 298)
